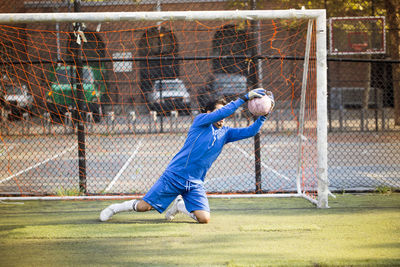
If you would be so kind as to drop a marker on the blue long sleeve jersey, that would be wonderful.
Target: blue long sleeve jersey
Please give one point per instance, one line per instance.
(204, 142)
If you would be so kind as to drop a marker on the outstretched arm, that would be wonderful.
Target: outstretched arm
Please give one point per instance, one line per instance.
(236, 134)
(219, 114)
(227, 110)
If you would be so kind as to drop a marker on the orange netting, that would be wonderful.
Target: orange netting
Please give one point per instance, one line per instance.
(135, 89)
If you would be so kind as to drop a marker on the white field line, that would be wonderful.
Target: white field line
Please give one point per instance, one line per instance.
(227, 196)
(263, 164)
(115, 179)
(37, 165)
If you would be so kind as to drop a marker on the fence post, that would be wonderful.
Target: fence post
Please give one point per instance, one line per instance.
(341, 118)
(2, 123)
(4, 117)
(68, 122)
(381, 108)
(153, 121)
(173, 120)
(364, 120)
(25, 124)
(8, 117)
(89, 121)
(132, 118)
(77, 56)
(47, 123)
(341, 109)
(277, 120)
(110, 121)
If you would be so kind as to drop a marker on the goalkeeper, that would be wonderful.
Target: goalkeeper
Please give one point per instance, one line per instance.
(183, 179)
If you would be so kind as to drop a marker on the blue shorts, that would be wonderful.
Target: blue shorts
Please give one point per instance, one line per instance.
(169, 186)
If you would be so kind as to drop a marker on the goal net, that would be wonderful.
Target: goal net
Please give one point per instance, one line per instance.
(99, 103)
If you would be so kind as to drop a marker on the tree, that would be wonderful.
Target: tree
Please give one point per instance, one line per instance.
(393, 20)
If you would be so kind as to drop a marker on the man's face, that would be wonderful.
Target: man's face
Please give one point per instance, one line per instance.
(220, 123)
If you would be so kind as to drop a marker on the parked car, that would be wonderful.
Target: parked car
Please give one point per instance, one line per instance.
(228, 86)
(16, 99)
(168, 95)
(62, 96)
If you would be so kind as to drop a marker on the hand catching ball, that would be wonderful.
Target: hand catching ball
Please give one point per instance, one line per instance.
(260, 106)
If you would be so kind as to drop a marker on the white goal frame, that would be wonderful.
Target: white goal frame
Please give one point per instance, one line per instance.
(317, 15)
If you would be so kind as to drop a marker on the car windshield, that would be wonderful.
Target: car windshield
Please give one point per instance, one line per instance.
(13, 90)
(65, 76)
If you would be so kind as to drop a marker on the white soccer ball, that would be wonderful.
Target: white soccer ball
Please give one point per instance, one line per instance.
(260, 106)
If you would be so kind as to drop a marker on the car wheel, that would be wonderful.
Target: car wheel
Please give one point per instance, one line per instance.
(16, 114)
(57, 112)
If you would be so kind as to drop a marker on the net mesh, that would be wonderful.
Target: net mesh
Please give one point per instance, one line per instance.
(141, 86)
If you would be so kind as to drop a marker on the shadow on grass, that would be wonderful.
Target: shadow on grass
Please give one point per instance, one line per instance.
(146, 221)
(385, 245)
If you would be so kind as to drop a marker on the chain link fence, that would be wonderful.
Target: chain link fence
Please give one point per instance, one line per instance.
(129, 146)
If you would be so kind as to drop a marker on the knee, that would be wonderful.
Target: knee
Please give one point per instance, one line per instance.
(203, 220)
(203, 217)
(143, 206)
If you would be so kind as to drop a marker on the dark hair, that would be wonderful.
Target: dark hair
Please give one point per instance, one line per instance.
(210, 106)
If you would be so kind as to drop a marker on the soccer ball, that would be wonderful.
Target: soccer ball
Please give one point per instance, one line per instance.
(260, 106)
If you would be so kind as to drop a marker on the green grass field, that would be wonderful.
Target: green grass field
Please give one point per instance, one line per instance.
(357, 230)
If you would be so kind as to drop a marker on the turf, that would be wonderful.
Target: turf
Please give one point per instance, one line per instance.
(358, 230)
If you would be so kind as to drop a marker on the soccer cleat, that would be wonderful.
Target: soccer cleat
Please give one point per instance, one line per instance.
(173, 210)
(108, 212)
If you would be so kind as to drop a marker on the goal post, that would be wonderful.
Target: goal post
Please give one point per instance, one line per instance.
(138, 57)
(322, 114)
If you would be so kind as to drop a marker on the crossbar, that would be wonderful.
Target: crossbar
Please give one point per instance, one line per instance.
(15, 18)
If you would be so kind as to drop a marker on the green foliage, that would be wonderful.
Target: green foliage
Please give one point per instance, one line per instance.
(245, 4)
(385, 190)
(340, 8)
(62, 192)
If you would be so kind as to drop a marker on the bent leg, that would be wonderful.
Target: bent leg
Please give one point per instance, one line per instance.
(202, 216)
(161, 194)
(196, 203)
